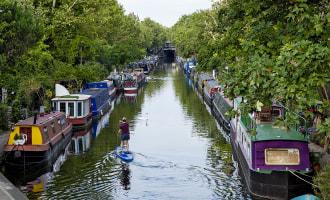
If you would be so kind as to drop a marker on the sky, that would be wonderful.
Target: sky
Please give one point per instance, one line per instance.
(164, 12)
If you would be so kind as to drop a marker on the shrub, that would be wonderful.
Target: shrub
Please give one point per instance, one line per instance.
(3, 117)
(322, 182)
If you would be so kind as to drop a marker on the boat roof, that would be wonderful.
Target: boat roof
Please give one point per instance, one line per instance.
(40, 119)
(213, 83)
(72, 97)
(268, 132)
(205, 76)
(94, 91)
(101, 84)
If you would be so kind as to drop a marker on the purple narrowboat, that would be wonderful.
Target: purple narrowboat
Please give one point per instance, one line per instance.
(274, 161)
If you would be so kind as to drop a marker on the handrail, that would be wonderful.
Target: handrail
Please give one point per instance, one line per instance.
(302, 121)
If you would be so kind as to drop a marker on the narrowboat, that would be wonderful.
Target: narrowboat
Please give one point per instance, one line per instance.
(100, 101)
(37, 141)
(220, 105)
(104, 84)
(190, 67)
(76, 106)
(201, 81)
(133, 81)
(274, 161)
(117, 81)
(210, 87)
(145, 66)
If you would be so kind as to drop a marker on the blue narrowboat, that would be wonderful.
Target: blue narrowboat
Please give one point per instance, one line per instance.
(100, 101)
(190, 67)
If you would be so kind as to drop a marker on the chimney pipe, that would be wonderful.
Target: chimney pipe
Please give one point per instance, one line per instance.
(35, 118)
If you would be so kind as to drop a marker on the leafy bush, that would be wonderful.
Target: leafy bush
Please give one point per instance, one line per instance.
(322, 182)
(3, 117)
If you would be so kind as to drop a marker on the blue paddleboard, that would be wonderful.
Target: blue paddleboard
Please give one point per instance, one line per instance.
(124, 155)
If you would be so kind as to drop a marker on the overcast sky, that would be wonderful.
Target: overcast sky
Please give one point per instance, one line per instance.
(165, 12)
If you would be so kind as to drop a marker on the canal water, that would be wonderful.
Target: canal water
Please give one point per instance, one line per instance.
(180, 151)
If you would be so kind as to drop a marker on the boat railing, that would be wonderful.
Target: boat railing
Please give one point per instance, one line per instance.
(302, 124)
(249, 123)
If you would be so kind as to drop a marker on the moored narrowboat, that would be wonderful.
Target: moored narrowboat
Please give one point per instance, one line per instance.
(76, 106)
(201, 81)
(210, 87)
(100, 101)
(117, 81)
(220, 105)
(133, 81)
(274, 161)
(190, 66)
(37, 141)
(109, 84)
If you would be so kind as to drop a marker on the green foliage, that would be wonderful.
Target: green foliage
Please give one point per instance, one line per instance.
(322, 182)
(42, 42)
(17, 137)
(324, 127)
(3, 117)
(191, 33)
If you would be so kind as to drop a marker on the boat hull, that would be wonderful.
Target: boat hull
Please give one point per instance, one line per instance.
(131, 90)
(220, 106)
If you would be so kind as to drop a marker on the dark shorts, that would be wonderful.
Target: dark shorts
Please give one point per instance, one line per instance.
(125, 137)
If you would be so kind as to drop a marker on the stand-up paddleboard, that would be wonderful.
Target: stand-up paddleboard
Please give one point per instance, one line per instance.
(124, 155)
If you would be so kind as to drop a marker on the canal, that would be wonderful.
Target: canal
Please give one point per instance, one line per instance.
(180, 151)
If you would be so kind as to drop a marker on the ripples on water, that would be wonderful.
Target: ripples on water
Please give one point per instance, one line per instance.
(180, 152)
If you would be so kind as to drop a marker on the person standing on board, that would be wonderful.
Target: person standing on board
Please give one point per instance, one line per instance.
(124, 131)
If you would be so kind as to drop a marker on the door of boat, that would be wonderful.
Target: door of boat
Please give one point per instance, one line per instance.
(28, 133)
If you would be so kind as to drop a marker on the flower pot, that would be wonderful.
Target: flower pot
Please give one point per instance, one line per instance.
(316, 167)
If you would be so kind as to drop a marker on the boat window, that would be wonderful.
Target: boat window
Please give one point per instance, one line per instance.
(59, 123)
(46, 132)
(63, 122)
(80, 111)
(71, 109)
(63, 106)
(53, 127)
(282, 156)
(55, 105)
(86, 107)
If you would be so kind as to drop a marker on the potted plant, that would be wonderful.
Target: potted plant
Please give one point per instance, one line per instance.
(315, 160)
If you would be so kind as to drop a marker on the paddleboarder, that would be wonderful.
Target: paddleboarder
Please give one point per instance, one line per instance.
(124, 131)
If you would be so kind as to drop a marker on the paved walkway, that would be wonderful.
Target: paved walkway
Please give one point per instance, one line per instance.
(325, 159)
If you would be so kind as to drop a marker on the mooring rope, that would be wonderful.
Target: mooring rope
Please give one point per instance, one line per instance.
(296, 171)
(303, 179)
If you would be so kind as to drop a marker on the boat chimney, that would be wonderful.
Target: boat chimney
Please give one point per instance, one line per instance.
(42, 111)
(35, 118)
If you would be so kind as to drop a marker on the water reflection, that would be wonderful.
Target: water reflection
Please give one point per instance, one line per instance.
(98, 125)
(81, 141)
(125, 176)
